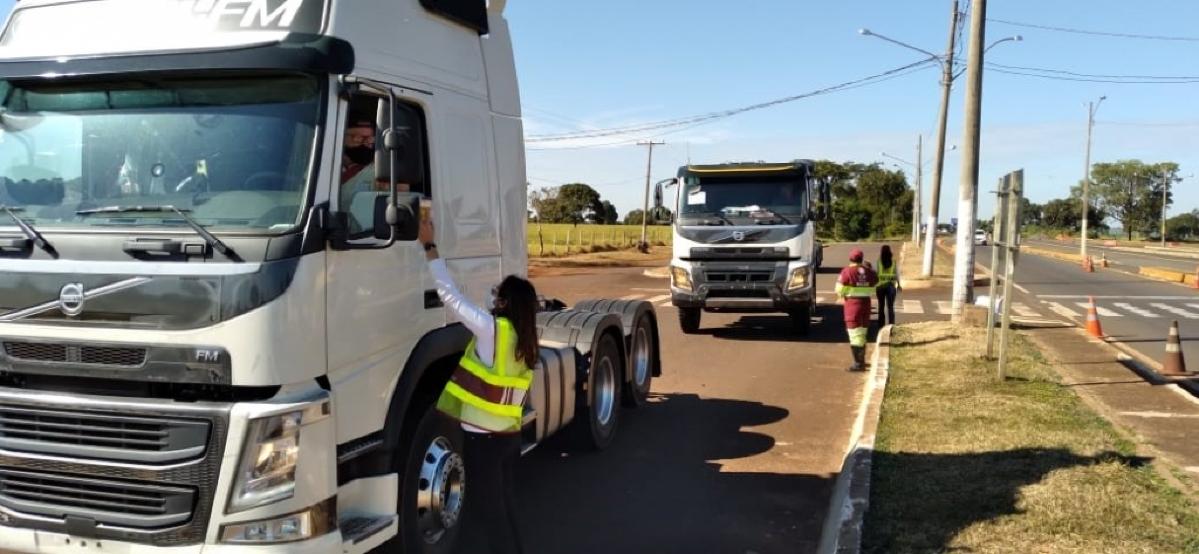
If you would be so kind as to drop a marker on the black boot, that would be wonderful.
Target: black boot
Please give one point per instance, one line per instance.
(859, 356)
(854, 354)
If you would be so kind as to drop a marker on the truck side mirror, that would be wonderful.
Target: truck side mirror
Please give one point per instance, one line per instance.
(402, 216)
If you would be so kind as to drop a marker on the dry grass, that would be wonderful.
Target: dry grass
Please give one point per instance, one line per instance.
(561, 239)
(913, 263)
(967, 463)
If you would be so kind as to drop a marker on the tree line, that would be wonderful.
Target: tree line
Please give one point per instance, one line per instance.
(576, 203)
(1130, 192)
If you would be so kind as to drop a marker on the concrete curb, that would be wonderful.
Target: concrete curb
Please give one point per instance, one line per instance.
(843, 525)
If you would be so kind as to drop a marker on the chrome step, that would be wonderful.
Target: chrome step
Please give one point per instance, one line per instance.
(357, 529)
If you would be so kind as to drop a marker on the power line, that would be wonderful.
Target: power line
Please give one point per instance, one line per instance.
(1148, 124)
(679, 122)
(1093, 75)
(1053, 77)
(1090, 32)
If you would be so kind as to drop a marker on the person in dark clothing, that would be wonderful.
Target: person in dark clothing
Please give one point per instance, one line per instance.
(888, 286)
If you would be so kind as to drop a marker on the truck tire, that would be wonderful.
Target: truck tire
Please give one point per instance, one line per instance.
(433, 486)
(641, 343)
(689, 320)
(598, 406)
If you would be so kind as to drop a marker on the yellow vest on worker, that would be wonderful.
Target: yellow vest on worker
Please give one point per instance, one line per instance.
(886, 275)
(853, 291)
(490, 398)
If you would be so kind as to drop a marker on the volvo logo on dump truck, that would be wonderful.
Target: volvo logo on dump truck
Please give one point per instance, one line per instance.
(70, 299)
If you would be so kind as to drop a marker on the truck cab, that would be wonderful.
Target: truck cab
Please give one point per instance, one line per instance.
(217, 330)
(745, 241)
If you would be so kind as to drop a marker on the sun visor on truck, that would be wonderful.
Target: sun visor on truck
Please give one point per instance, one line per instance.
(107, 27)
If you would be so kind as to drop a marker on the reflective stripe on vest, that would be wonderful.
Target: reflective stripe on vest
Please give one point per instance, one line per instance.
(490, 398)
(886, 275)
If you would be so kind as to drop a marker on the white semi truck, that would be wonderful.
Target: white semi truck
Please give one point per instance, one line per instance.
(217, 332)
(745, 240)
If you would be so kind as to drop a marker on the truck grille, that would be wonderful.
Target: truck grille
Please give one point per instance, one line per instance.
(739, 276)
(70, 353)
(106, 502)
(100, 435)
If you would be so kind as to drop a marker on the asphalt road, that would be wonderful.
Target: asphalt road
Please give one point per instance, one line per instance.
(1132, 310)
(737, 453)
(1122, 257)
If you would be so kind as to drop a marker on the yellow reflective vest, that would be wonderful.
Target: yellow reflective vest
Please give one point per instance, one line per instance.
(490, 398)
(886, 275)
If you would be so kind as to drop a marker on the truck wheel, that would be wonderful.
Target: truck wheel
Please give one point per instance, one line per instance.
(433, 487)
(689, 319)
(599, 404)
(801, 319)
(641, 356)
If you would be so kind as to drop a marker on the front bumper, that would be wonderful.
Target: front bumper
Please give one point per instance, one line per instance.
(28, 540)
(744, 288)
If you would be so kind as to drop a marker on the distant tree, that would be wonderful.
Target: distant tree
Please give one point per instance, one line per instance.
(1030, 212)
(1063, 213)
(1130, 191)
(634, 217)
(605, 215)
(851, 220)
(571, 203)
(1183, 226)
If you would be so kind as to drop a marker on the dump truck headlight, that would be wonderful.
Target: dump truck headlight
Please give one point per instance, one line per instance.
(267, 471)
(312, 522)
(799, 278)
(679, 278)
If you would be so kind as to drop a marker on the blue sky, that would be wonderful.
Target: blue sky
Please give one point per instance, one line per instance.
(619, 62)
(589, 65)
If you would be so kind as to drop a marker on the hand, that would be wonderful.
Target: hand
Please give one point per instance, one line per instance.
(427, 232)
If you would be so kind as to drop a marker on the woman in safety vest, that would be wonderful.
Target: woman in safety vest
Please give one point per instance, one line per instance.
(486, 393)
(856, 285)
(888, 286)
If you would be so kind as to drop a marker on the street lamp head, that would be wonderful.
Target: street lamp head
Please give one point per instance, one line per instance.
(1018, 38)
(864, 32)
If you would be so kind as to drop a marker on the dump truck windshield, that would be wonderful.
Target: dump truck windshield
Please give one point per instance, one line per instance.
(745, 198)
(234, 152)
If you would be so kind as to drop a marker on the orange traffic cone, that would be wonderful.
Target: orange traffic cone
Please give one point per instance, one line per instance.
(1174, 364)
(1087, 265)
(1093, 327)
(1196, 284)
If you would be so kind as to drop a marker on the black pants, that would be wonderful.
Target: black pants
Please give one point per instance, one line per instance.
(886, 305)
(490, 477)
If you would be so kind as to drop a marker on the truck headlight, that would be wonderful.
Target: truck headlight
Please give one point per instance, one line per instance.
(679, 278)
(799, 278)
(267, 471)
(313, 522)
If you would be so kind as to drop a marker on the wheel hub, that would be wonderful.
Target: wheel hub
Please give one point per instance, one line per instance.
(441, 487)
(641, 357)
(605, 391)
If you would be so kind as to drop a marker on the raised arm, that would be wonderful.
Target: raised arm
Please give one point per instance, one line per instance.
(476, 319)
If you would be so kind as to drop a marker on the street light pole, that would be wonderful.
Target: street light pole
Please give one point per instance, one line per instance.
(963, 273)
(934, 206)
(1092, 107)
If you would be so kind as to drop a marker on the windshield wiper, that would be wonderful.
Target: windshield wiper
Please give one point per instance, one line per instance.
(210, 238)
(35, 237)
(776, 214)
(723, 220)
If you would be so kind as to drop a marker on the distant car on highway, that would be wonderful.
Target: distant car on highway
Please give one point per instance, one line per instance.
(980, 237)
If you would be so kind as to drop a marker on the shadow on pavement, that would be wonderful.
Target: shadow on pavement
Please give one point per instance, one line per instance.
(930, 498)
(665, 486)
(827, 327)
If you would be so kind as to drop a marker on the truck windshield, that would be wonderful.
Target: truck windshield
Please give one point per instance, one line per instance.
(745, 200)
(234, 152)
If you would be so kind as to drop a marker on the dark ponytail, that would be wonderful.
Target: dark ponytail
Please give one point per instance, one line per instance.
(884, 256)
(516, 300)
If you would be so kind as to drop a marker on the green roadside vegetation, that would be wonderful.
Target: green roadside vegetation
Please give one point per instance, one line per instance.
(966, 463)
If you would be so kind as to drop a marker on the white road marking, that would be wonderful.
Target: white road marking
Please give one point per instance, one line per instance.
(632, 297)
(1193, 305)
(944, 307)
(1084, 297)
(1061, 310)
(1133, 309)
(1021, 289)
(1185, 394)
(659, 298)
(912, 307)
(1099, 309)
(666, 305)
(1175, 310)
(1158, 415)
(1023, 310)
(659, 289)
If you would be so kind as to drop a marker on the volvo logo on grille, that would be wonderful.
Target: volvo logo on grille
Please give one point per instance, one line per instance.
(70, 299)
(738, 236)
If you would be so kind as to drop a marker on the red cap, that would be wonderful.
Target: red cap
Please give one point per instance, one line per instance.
(855, 255)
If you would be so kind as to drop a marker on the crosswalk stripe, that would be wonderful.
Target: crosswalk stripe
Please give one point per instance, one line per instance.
(1133, 309)
(1023, 310)
(1099, 309)
(632, 297)
(1193, 305)
(912, 307)
(659, 298)
(1061, 310)
(665, 305)
(944, 307)
(1175, 310)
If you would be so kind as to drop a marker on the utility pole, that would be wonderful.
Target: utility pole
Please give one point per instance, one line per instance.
(1092, 107)
(917, 202)
(930, 234)
(963, 272)
(649, 166)
(1165, 189)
